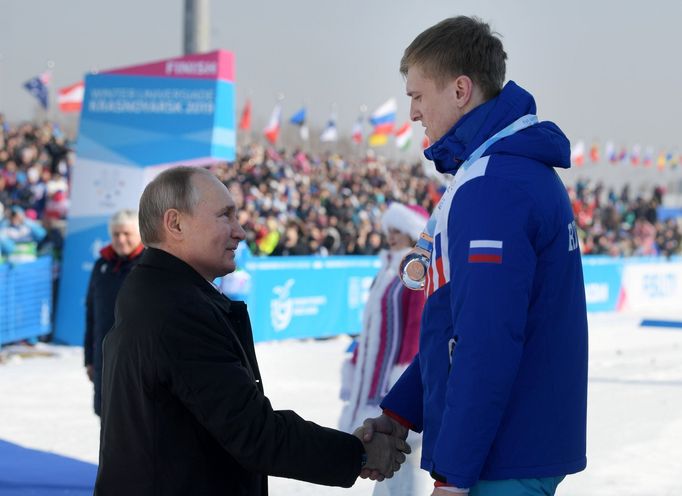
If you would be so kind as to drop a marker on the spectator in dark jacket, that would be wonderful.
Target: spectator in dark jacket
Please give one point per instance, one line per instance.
(115, 263)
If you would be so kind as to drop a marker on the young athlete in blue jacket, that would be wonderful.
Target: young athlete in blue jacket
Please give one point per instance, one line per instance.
(499, 387)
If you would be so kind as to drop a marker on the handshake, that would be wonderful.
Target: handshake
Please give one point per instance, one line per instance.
(385, 446)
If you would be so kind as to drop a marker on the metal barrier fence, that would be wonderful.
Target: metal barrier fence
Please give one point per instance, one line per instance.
(25, 300)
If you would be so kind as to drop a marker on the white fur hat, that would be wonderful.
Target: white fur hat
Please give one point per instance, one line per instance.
(408, 219)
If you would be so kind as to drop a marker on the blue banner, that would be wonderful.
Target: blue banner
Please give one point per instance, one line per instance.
(603, 276)
(297, 297)
(136, 122)
(142, 121)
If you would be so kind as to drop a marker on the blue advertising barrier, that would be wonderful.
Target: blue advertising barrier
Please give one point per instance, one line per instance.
(313, 297)
(297, 297)
(25, 300)
(294, 297)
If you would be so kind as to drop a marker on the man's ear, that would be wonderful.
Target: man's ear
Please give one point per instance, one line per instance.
(464, 90)
(173, 224)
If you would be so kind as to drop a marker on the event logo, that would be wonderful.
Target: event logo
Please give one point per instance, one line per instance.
(284, 308)
(358, 291)
(95, 248)
(281, 309)
(108, 186)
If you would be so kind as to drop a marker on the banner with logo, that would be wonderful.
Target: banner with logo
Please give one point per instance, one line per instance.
(654, 288)
(300, 297)
(136, 122)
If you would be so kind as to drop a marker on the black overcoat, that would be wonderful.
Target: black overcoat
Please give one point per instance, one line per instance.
(183, 408)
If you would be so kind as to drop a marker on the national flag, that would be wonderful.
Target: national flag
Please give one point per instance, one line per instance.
(39, 87)
(403, 136)
(648, 156)
(299, 119)
(426, 142)
(271, 131)
(356, 133)
(623, 155)
(594, 153)
(375, 140)
(661, 161)
(636, 155)
(330, 133)
(578, 154)
(383, 118)
(70, 98)
(245, 121)
(485, 251)
(611, 152)
(669, 159)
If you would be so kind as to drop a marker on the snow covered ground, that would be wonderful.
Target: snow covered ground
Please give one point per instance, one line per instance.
(635, 405)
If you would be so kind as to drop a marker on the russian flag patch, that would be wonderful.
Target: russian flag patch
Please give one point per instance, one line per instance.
(485, 251)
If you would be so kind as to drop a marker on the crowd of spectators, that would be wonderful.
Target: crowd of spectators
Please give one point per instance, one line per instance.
(330, 205)
(35, 161)
(620, 224)
(299, 204)
(296, 203)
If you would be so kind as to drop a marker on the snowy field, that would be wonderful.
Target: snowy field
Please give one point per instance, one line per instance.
(635, 406)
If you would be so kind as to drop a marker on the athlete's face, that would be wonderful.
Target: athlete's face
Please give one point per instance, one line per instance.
(435, 106)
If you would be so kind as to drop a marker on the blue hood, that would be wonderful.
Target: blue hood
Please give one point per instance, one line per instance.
(543, 142)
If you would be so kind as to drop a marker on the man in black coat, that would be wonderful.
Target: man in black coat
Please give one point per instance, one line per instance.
(110, 270)
(183, 408)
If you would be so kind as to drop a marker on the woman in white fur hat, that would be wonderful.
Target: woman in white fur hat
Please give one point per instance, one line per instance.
(388, 343)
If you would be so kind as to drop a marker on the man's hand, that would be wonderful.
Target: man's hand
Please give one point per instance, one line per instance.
(385, 454)
(90, 370)
(385, 425)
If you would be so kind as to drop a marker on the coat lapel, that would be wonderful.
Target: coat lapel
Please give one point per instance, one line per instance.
(236, 322)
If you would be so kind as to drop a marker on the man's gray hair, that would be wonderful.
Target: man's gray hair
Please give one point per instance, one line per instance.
(123, 218)
(173, 188)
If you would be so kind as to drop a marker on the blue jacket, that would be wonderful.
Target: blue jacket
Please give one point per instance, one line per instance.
(499, 386)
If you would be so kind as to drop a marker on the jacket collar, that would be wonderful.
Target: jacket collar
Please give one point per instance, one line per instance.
(477, 125)
(108, 253)
(161, 259)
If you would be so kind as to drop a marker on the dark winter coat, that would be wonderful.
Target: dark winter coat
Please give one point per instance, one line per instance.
(183, 408)
(106, 279)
